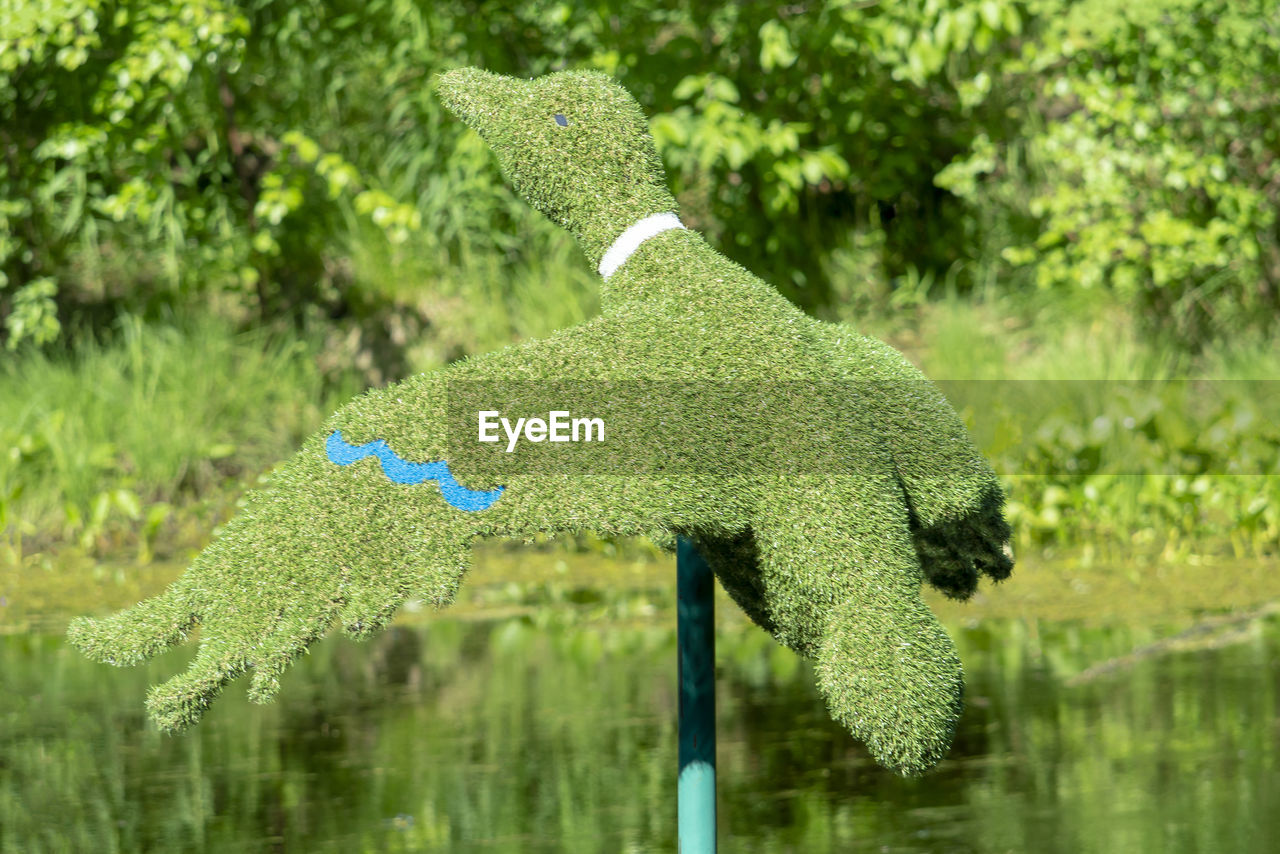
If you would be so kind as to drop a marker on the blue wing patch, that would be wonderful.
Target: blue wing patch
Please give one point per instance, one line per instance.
(403, 471)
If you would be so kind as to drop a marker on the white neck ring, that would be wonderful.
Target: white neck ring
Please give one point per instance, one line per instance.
(629, 241)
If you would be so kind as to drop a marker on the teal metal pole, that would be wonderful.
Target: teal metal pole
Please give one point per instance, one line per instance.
(696, 668)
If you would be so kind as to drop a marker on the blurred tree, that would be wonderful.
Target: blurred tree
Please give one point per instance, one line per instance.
(226, 157)
(1147, 161)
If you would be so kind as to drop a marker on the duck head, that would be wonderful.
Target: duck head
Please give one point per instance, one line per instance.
(574, 144)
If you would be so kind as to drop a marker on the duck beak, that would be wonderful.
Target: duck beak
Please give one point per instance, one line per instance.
(479, 98)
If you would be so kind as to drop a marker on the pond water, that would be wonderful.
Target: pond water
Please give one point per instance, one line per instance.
(533, 734)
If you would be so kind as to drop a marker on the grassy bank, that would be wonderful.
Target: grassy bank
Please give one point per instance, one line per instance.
(560, 585)
(1110, 443)
(141, 445)
(131, 443)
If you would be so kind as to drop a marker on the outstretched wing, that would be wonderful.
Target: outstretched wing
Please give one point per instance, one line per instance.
(367, 514)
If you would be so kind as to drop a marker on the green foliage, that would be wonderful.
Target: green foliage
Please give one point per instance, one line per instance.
(103, 115)
(228, 164)
(107, 439)
(1135, 140)
(814, 115)
(1174, 480)
(137, 172)
(236, 157)
(1113, 444)
(1146, 161)
(33, 313)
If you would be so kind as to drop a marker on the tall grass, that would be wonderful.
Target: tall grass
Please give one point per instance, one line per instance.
(1096, 463)
(101, 437)
(164, 416)
(161, 415)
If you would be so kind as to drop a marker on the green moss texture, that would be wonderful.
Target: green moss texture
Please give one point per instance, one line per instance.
(821, 514)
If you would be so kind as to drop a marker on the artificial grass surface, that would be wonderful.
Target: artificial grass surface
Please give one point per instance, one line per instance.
(815, 469)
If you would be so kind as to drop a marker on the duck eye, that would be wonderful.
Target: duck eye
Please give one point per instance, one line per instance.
(561, 120)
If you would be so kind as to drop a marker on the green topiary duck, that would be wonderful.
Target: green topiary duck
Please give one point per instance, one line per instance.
(837, 480)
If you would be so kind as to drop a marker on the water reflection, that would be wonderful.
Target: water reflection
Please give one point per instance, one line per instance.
(507, 736)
